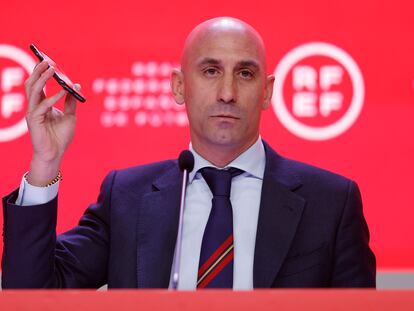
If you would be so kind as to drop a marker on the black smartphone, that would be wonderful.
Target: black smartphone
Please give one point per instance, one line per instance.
(59, 75)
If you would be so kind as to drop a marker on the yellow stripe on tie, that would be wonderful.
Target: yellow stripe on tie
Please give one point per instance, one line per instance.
(215, 264)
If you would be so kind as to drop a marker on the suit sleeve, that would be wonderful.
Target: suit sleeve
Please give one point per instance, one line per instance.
(33, 257)
(354, 263)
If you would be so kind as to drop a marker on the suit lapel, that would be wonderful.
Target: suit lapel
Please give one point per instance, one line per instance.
(279, 216)
(157, 230)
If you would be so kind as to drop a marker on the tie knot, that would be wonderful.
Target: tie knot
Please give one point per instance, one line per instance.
(219, 181)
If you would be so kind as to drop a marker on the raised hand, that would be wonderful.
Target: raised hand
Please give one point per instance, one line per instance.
(51, 130)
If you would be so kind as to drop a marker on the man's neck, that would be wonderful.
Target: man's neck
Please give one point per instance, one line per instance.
(221, 155)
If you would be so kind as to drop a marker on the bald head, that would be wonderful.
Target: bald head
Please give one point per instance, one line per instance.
(227, 29)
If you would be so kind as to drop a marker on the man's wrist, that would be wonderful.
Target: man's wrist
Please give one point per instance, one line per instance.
(42, 173)
(48, 184)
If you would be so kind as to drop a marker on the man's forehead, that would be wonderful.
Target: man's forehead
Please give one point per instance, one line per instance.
(224, 44)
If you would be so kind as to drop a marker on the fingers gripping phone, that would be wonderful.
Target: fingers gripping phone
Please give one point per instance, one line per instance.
(59, 75)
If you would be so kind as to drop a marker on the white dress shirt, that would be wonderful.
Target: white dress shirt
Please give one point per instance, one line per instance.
(245, 199)
(32, 195)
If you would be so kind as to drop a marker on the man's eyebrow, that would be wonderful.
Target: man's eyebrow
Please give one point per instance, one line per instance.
(241, 64)
(208, 61)
(249, 63)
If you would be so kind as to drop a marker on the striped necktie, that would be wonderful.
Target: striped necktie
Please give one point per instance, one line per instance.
(215, 268)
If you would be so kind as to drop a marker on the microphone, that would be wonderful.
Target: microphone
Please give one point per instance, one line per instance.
(186, 161)
(186, 164)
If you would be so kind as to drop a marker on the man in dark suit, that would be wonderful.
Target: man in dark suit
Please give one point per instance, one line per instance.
(294, 225)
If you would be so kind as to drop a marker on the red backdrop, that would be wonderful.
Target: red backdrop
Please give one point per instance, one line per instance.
(345, 104)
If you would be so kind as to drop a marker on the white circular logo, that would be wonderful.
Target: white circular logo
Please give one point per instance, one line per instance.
(15, 65)
(318, 92)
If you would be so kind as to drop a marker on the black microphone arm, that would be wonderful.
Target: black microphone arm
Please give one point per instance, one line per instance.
(186, 164)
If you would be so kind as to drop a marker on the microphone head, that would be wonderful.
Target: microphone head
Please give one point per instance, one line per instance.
(186, 161)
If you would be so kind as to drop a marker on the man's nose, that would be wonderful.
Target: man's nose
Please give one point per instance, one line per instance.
(227, 92)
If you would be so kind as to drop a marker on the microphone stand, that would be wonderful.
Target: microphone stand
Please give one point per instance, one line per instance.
(186, 162)
(176, 267)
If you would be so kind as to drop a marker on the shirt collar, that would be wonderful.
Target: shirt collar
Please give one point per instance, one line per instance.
(252, 161)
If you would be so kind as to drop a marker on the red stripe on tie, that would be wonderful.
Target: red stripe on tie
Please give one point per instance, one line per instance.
(217, 269)
(215, 255)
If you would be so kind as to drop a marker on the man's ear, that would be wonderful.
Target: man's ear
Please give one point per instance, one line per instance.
(270, 81)
(177, 85)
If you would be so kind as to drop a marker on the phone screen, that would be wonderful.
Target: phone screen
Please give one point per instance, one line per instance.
(59, 75)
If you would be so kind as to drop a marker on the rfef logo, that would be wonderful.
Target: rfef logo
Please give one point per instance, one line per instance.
(319, 91)
(15, 67)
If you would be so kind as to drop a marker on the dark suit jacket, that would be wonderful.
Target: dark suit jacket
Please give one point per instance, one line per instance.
(311, 233)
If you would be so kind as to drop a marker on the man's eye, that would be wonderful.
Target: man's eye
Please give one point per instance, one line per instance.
(247, 74)
(211, 71)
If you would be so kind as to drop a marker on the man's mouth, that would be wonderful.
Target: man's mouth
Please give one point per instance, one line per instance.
(226, 116)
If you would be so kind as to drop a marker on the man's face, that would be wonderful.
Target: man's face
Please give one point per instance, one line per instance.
(225, 89)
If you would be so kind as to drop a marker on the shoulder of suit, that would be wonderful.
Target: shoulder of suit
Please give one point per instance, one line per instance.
(305, 173)
(143, 173)
(310, 174)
